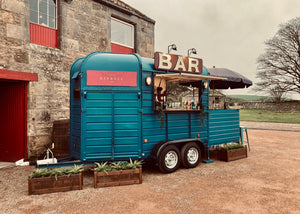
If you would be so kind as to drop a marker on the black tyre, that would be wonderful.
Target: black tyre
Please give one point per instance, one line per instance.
(169, 159)
(190, 155)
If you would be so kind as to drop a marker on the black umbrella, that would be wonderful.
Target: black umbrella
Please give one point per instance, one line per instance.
(234, 79)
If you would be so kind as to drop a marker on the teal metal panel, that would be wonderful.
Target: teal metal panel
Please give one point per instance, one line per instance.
(75, 111)
(223, 126)
(118, 130)
(126, 118)
(98, 118)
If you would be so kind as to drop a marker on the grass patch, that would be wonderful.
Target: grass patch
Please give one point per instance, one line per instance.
(269, 116)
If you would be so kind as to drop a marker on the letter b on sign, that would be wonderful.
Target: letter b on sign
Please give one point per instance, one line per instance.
(164, 61)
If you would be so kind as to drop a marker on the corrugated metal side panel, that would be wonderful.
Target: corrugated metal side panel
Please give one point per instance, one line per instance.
(98, 132)
(178, 125)
(112, 130)
(153, 132)
(223, 126)
(115, 48)
(75, 112)
(127, 127)
(43, 35)
(75, 127)
(199, 126)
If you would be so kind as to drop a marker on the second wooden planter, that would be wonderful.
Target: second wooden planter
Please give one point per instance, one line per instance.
(118, 178)
(232, 154)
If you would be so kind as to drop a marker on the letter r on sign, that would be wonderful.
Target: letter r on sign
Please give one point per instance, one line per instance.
(193, 63)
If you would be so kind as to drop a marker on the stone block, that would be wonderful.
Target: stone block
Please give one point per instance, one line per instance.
(21, 56)
(7, 17)
(70, 45)
(15, 31)
(14, 6)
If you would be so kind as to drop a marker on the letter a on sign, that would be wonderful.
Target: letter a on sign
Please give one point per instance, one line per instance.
(180, 64)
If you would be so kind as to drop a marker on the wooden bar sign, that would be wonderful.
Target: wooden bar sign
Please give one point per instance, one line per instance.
(177, 63)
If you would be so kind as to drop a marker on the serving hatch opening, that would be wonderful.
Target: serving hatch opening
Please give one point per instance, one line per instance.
(169, 90)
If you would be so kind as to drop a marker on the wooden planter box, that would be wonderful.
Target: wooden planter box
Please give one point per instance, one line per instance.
(214, 154)
(232, 154)
(63, 183)
(118, 178)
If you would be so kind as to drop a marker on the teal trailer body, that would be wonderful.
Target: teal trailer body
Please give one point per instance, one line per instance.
(113, 117)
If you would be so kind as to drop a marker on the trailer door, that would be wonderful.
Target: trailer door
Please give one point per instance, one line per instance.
(113, 125)
(126, 125)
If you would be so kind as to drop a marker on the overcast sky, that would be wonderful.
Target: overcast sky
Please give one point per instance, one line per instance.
(225, 33)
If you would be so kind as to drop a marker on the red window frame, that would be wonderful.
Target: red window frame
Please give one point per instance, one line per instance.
(118, 47)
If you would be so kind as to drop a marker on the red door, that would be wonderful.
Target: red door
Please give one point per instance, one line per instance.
(13, 120)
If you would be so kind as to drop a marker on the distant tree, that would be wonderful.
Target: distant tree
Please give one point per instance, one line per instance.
(279, 66)
(176, 91)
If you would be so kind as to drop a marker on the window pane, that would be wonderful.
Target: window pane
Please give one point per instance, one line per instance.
(34, 17)
(52, 22)
(121, 33)
(33, 5)
(52, 10)
(43, 7)
(52, 2)
(43, 19)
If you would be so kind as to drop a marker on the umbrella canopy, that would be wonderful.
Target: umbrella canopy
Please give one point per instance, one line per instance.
(234, 79)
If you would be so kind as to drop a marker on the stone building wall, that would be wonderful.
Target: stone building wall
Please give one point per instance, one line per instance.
(84, 27)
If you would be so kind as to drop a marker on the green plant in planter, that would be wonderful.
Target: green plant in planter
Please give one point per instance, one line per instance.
(102, 167)
(119, 166)
(134, 164)
(56, 172)
(232, 146)
(114, 166)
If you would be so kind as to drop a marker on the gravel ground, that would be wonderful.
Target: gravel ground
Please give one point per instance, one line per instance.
(268, 181)
(271, 126)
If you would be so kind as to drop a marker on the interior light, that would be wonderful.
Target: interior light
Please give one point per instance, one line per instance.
(205, 85)
(148, 81)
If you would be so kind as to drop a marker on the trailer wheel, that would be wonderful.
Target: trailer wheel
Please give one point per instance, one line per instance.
(190, 155)
(169, 159)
